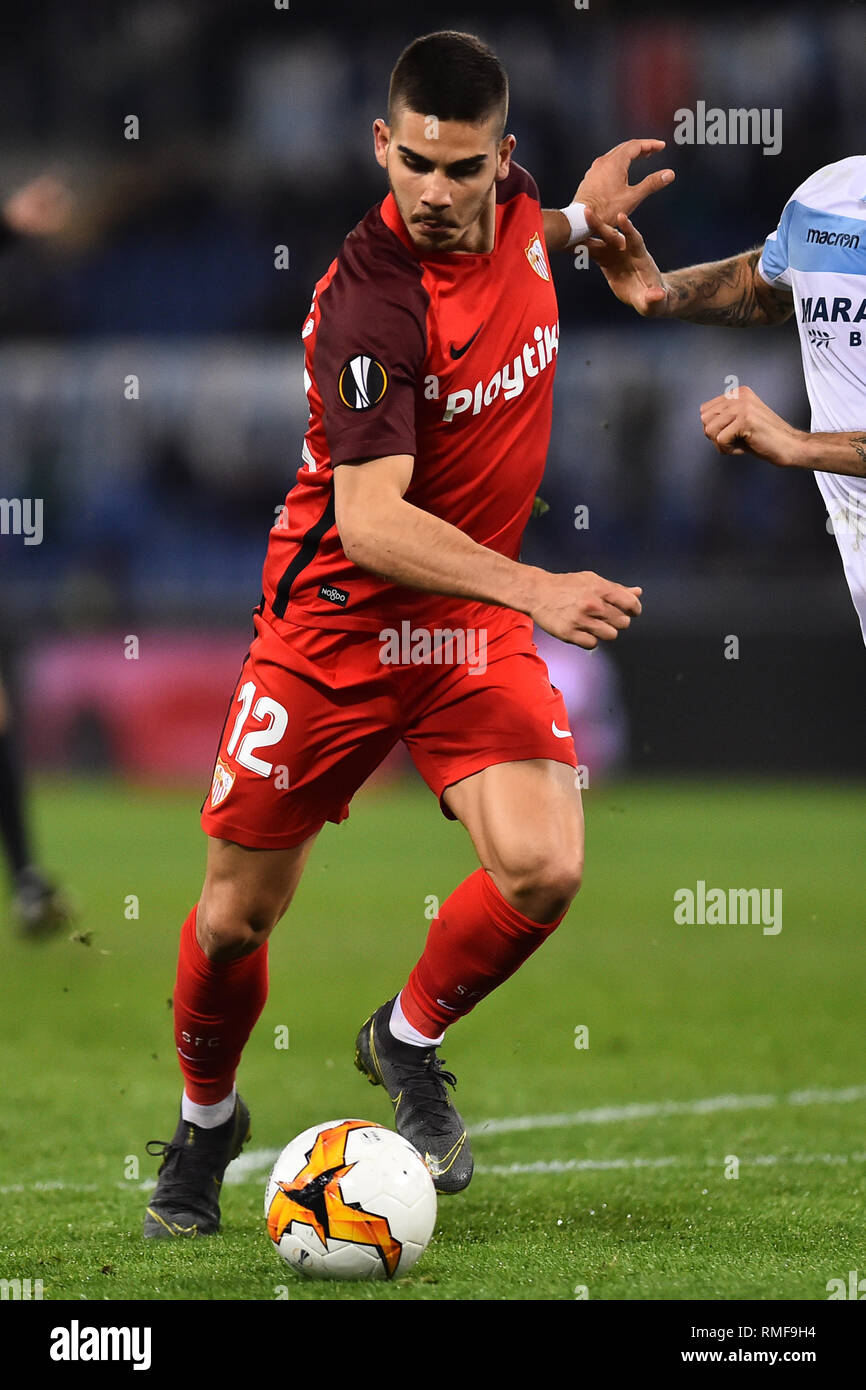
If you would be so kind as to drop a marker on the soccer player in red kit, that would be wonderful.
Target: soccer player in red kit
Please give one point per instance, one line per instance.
(395, 607)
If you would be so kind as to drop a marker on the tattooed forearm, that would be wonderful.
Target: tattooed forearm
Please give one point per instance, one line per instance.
(726, 294)
(843, 453)
(858, 444)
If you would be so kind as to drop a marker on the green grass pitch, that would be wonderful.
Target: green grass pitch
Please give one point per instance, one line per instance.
(607, 1168)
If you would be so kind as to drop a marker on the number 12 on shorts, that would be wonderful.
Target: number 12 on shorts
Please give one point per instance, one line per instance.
(264, 708)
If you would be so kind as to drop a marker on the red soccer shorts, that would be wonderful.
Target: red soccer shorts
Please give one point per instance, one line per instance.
(311, 717)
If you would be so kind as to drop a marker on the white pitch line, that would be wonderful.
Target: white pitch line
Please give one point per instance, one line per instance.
(579, 1165)
(251, 1164)
(574, 1165)
(50, 1185)
(257, 1161)
(611, 1114)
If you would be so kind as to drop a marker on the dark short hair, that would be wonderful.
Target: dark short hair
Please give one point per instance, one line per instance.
(450, 75)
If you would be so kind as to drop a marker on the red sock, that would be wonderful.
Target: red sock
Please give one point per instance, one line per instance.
(215, 1010)
(475, 943)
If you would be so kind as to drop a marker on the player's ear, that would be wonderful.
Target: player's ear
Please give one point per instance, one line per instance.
(381, 140)
(503, 157)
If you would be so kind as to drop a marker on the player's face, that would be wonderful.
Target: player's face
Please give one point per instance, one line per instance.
(442, 175)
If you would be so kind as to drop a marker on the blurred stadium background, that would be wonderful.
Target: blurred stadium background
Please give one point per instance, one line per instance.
(253, 133)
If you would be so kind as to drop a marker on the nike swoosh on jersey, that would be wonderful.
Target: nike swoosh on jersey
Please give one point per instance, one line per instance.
(560, 733)
(458, 352)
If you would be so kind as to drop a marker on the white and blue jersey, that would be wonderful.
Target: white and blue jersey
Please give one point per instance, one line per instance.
(819, 251)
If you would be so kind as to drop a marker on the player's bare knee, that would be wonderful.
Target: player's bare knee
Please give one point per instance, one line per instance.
(226, 933)
(569, 879)
(542, 889)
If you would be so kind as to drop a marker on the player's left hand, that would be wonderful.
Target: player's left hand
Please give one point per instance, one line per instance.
(627, 265)
(605, 187)
(742, 423)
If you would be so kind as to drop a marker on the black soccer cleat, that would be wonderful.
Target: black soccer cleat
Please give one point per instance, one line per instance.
(40, 907)
(414, 1078)
(186, 1199)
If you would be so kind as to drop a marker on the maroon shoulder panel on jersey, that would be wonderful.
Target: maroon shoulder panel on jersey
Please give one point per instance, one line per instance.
(370, 345)
(518, 181)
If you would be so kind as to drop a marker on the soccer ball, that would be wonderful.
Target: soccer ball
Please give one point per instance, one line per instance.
(350, 1199)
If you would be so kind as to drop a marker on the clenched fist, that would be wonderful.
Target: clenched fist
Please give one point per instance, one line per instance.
(583, 608)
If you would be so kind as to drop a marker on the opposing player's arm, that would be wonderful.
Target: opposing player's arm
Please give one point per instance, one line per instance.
(728, 294)
(605, 190)
(382, 532)
(746, 424)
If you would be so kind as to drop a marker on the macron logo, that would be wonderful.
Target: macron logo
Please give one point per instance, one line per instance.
(825, 238)
(77, 1343)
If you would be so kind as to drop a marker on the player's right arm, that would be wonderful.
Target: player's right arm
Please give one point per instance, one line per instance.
(382, 532)
(730, 293)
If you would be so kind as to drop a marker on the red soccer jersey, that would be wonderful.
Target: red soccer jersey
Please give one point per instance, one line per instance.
(447, 356)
